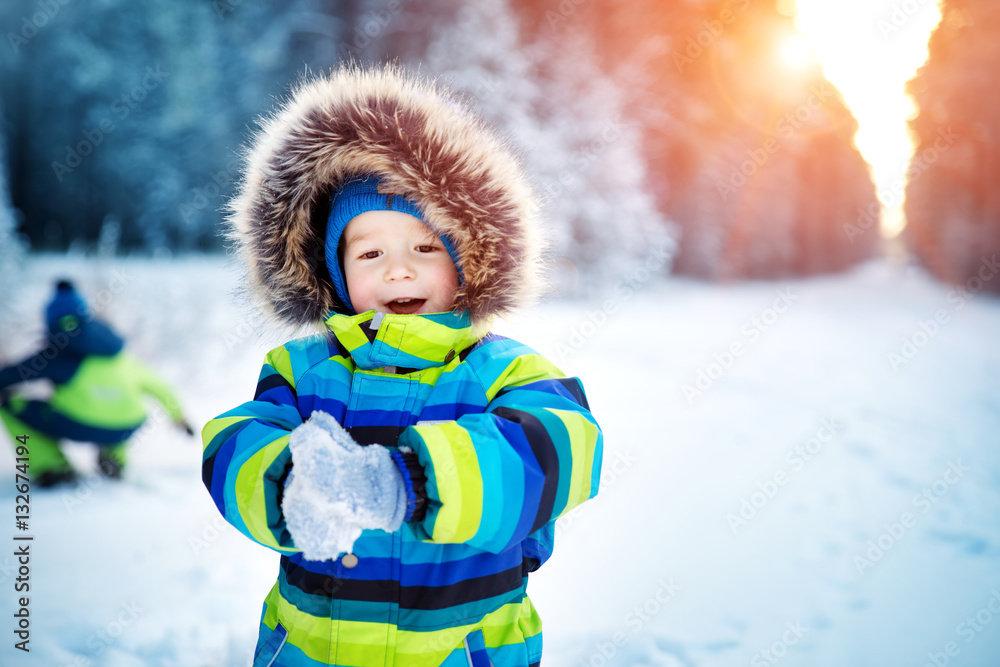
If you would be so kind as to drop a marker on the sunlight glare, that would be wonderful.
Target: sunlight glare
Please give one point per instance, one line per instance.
(795, 53)
(869, 52)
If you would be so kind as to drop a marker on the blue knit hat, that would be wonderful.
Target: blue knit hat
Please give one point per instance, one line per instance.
(68, 318)
(66, 302)
(358, 196)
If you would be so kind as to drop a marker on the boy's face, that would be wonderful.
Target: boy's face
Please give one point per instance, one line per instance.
(394, 263)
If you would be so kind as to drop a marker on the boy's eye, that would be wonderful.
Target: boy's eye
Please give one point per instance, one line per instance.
(371, 254)
(426, 248)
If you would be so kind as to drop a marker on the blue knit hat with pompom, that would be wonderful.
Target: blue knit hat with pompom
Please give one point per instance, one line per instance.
(73, 327)
(66, 303)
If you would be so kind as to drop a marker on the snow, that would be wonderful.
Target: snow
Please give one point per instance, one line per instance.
(836, 447)
(337, 488)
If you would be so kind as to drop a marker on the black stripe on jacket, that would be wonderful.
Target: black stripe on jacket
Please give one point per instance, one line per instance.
(571, 385)
(271, 382)
(408, 597)
(546, 455)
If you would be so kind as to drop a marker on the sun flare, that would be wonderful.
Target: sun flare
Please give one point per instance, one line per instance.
(869, 49)
(794, 52)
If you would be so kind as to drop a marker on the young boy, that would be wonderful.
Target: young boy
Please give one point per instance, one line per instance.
(97, 396)
(408, 466)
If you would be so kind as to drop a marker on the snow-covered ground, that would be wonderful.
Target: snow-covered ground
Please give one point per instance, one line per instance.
(796, 473)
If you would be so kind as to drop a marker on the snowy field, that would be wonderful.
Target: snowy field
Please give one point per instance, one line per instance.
(796, 473)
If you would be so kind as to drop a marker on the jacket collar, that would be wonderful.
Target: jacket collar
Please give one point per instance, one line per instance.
(375, 339)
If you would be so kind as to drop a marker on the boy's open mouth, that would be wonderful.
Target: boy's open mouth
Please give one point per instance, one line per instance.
(405, 306)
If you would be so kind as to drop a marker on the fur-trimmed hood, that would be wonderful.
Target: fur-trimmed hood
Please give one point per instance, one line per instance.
(419, 140)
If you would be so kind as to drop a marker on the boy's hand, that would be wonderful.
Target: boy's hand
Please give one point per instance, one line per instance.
(337, 488)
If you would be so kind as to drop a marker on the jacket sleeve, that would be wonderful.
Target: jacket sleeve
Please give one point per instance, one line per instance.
(41, 365)
(494, 478)
(246, 456)
(12, 375)
(158, 389)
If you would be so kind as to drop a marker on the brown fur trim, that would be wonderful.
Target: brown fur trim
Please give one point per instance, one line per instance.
(419, 140)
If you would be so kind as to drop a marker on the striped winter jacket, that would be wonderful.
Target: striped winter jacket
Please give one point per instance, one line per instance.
(507, 444)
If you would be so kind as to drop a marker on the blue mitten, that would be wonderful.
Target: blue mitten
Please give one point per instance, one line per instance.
(337, 488)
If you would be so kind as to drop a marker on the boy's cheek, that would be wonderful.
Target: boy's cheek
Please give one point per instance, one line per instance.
(361, 293)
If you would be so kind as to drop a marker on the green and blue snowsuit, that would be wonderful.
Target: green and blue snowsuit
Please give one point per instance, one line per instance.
(506, 443)
(97, 396)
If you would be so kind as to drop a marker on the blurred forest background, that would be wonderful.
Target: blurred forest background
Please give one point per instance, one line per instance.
(643, 123)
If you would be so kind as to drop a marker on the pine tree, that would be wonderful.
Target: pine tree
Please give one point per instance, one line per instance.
(135, 112)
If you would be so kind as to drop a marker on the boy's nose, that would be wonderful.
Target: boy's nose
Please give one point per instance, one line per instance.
(399, 269)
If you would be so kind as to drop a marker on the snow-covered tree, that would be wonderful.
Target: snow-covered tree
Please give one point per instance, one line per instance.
(12, 255)
(952, 201)
(551, 97)
(136, 111)
(756, 162)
